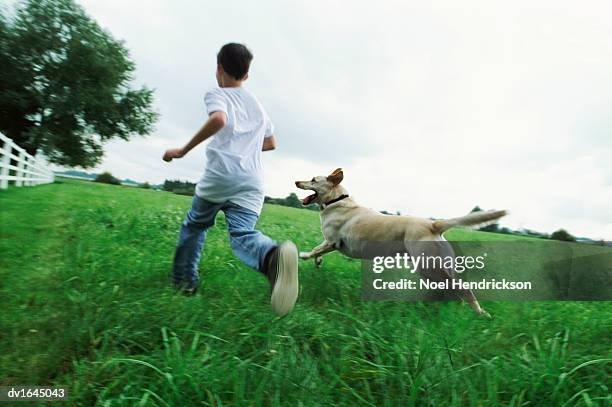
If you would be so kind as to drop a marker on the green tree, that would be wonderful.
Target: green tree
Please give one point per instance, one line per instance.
(65, 83)
(107, 178)
(492, 227)
(179, 187)
(293, 201)
(562, 235)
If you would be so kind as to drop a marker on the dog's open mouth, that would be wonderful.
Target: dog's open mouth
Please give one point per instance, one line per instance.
(308, 200)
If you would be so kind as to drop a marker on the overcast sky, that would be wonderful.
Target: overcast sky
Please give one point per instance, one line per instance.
(430, 107)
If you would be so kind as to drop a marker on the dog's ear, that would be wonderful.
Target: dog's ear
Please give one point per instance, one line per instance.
(336, 176)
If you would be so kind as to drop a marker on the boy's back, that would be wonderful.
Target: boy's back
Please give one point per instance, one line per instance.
(234, 170)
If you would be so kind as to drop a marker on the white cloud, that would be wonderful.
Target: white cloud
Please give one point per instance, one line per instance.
(431, 107)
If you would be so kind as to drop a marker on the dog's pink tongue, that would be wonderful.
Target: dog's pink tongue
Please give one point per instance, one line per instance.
(308, 199)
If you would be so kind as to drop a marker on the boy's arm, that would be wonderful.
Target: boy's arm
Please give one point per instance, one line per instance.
(216, 121)
(269, 143)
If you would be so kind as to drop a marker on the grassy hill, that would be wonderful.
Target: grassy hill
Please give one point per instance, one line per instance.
(86, 303)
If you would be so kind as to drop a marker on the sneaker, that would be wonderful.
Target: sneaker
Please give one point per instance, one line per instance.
(282, 272)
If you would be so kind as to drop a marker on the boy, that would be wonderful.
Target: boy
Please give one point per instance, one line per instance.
(232, 183)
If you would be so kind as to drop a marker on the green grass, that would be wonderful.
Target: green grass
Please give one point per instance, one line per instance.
(86, 303)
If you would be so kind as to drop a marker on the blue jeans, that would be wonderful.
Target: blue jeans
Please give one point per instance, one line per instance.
(248, 244)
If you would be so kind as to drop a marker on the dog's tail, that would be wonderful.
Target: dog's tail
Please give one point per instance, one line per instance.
(472, 219)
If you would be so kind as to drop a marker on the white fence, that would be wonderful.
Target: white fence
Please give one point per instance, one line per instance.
(22, 168)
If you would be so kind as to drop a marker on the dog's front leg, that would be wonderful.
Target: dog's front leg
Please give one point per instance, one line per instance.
(317, 252)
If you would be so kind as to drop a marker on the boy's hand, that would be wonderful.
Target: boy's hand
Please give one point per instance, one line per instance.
(173, 153)
(269, 144)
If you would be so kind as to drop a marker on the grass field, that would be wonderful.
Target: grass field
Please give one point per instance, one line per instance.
(86, 303)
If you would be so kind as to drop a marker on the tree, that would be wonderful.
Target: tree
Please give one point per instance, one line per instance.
(491, 227)
(562, 235)
(293, 201)
(179, 187)
(65, 83)
(107, 178)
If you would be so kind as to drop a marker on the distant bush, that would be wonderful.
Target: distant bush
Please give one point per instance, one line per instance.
(492, 227)
(562, 235)
(179, 187)
(107, 178)
(145, 185)
(292, 201)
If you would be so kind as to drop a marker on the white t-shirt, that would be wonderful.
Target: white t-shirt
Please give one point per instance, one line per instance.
(234, 171)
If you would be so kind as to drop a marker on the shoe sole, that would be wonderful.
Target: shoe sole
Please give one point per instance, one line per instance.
(285, 291)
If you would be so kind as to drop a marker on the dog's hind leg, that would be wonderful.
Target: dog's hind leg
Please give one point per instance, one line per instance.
(469, 296)
(441, 248)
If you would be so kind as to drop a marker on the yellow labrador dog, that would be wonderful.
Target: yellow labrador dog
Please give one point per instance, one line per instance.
(347, 226)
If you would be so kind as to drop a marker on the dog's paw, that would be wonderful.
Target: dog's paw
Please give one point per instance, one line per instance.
(304, 255)
(318, 260)
(486, 315)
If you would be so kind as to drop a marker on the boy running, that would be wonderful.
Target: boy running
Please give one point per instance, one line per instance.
(233, 183)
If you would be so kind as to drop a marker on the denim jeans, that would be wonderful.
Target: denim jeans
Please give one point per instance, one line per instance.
(248, 244)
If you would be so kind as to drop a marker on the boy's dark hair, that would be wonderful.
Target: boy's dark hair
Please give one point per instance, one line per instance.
(235, 59)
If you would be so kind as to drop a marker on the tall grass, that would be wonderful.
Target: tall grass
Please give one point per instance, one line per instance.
(87, 304)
